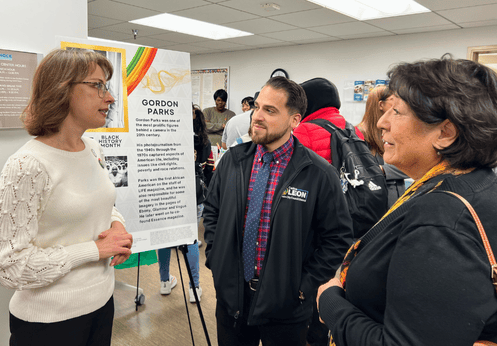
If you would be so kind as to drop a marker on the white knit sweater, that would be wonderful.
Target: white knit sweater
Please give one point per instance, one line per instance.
(53, 205)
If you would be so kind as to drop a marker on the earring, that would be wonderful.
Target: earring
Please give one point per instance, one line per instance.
(438, 153)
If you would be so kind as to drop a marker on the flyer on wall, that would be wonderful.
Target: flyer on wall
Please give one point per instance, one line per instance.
(16, 76)
(148, 142)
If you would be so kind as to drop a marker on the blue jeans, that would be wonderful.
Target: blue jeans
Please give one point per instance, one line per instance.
(164, 257)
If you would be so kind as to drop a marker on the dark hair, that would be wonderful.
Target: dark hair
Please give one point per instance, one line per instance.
(462, 91)
(221, 93)
(373, 113)
(296, 98)
(199, 126)
(52, 85)
(249, 100)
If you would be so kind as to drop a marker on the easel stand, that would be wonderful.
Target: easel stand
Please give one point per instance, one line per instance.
(140, 297)
(184, 249)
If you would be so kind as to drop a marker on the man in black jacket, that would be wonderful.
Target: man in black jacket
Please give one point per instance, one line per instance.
(303, 233)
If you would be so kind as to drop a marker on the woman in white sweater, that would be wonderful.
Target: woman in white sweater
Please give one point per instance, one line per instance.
(59, 228)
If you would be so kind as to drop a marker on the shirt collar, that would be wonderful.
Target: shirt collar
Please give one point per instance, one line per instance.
(282, 153)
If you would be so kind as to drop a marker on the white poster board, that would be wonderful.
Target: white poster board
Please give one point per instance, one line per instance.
(148, 142)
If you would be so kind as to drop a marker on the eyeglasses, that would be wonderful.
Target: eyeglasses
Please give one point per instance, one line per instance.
(102, 88)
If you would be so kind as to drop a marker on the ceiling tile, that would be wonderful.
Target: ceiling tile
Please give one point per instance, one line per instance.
(222, 44)
(127, 27)
(436, 5)
(147, 41)
(410, 21)
(255, 7)
(427, 28)
(215, 14)
(179, 38)
(478, 23)
(254, 40)
(366, 35)
(99, 22)
(471, 14)
(260, 26)
(310, 18)
(317, 40)
(346, 29)
(189, 48)
(295, 35)
(297, 22)
(118, 11)
(109, 35)
(277, 44)
(165, 6)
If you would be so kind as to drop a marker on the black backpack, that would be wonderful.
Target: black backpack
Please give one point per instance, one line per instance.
(200, 185)
(363, 182)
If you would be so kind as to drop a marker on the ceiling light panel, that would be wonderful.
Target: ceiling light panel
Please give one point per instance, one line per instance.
(372, 9)
(190, 26)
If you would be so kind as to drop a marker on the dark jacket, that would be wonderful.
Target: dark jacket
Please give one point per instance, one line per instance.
(395, 179)
(425, 278)
(308, 238)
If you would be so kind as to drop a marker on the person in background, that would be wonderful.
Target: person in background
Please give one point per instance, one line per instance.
(217, 117)
(421, 276)
(202, 147)
(238, 125)
(323, 103)
(379, 101)
(59, 228)
(268, 257)
(247, 103)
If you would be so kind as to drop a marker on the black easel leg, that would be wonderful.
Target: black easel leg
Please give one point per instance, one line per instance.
(184, 296)
(184, 249)
(140, 298)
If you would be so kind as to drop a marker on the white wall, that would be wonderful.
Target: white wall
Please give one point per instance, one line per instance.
(31, 26)
(340, 61)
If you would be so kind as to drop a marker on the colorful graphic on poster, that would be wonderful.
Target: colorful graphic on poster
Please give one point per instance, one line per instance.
(149, 144)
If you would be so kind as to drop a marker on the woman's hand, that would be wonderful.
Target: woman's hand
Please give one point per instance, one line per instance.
(115, 241)
(333, 282)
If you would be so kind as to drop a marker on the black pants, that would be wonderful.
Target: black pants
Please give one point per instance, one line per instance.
(271, 334)
(93, 329)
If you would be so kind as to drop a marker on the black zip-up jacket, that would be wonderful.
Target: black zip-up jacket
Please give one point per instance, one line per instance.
(310, 231)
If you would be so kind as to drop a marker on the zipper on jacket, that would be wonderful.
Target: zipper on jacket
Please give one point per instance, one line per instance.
(276, 204)
(236, 318)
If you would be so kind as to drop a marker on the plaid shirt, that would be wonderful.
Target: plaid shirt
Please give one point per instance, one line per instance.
(280, 161)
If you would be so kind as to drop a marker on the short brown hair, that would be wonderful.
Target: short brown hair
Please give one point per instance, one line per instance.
(463, 91)
(52, 85)
(296, 97)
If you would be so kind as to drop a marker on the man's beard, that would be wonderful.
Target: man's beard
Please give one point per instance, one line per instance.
(267, 138)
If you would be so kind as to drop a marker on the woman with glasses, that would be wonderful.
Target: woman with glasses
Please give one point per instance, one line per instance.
(60, 234)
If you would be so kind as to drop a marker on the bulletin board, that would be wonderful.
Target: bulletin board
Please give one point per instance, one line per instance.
(205, 82)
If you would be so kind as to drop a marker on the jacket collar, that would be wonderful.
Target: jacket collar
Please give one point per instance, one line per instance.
(300, 155)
